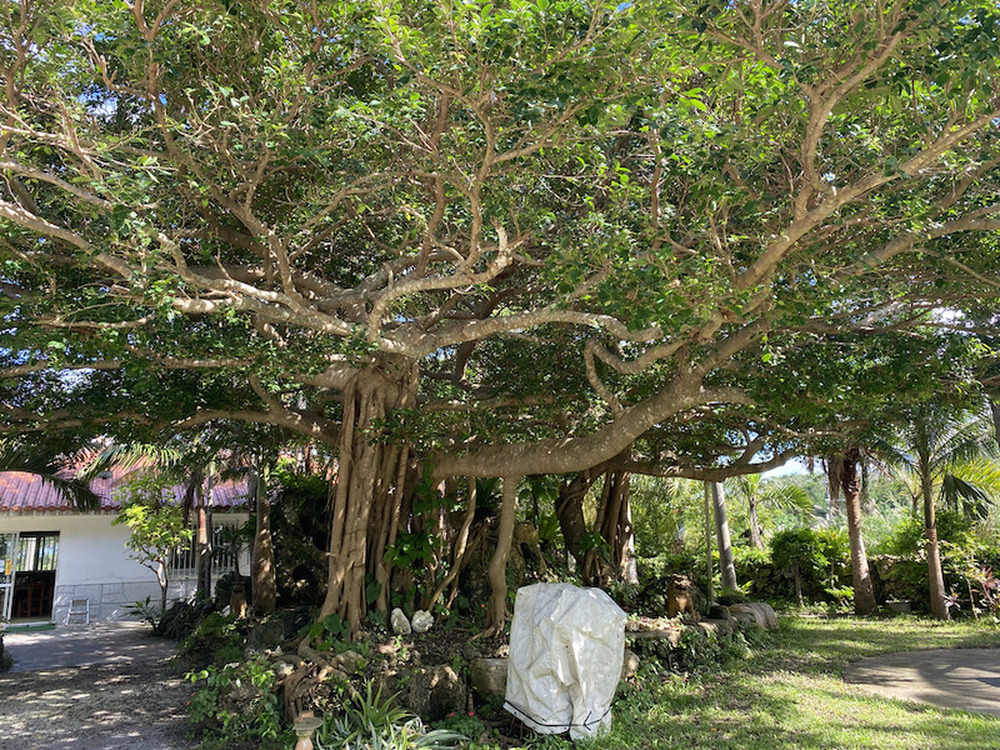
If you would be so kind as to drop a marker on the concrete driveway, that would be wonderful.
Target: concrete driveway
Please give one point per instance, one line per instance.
(107, 686)
(86, 645)
(967, 679)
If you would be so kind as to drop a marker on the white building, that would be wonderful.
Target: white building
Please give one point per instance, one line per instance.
(52, 554)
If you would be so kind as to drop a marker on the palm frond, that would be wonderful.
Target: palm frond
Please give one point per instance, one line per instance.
(964, 497)
(16, 456)
(938, 445)
(789, 497)
(130, 456)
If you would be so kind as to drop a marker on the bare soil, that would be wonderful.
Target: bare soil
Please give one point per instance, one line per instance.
(137, 705)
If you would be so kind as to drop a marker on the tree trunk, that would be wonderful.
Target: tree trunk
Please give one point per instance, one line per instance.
(934, 573)
(797, 576)
(496, 614)
(709, 579)
(164, 581)
(995, 411)
(459, 551)
(615, 526)
(727, 565)
(203, 547)
(864, 593)
(386, 521)
(756, 535)
(264, 581)
(569, 511)
(366, 498)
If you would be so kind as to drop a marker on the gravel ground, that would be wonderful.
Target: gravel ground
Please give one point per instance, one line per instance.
(136, 703)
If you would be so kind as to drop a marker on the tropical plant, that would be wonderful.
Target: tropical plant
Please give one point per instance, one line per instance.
(40, 460)
(157, 526)
(759, 496)
(845, 479)
(813, 557)
(932, 447)
(505, 238)
(236, 706)
(668, 515)
(376, 723)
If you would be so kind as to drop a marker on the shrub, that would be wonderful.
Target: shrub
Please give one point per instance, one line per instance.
(697, 651)
(815, 557)
(968, 564)
(216, 640)
(907, 539)
(235, 707)
(654, 581)
(182, 618)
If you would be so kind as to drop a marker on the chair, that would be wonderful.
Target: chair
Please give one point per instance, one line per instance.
(79, 608)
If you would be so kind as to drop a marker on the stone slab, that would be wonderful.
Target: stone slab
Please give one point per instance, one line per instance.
(967, 679)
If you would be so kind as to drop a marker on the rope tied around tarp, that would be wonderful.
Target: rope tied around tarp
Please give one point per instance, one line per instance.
(588, 722)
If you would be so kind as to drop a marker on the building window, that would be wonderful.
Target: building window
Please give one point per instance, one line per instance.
(37, 551)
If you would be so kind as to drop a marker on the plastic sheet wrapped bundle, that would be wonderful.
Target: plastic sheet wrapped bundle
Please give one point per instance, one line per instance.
(566, 650)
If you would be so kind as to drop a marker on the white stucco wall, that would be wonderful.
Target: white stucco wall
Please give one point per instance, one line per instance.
(93, 563)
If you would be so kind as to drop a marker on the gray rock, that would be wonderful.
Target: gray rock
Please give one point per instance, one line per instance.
(719, 612)
(756, 613)
(717, 627)
(630, 665)
(400, 625)
(671, 633)
(434, 692)
(767, 614)
(422, 621)
(265, 635)
(747, 617)
(282, 669)
(350, 662)
(747, 614)
(488, 677)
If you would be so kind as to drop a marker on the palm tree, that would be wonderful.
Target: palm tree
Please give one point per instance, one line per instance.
(842, 477)
(196, 463)
(933, 447)
(758, 495)
(49, 465)
(214, 455)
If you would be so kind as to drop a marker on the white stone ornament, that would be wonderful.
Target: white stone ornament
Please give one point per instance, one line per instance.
(422, 621)
(400, 625)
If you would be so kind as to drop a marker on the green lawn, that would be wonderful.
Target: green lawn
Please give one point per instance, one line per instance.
(789, 693)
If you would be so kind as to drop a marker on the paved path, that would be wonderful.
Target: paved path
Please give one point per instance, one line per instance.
(86, 645)
(107, 686)
(968, 679)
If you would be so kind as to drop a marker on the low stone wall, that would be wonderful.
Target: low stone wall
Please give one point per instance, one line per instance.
(108, 601)
(112, 601)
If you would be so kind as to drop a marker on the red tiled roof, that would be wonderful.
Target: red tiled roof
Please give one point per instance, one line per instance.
(23, 492)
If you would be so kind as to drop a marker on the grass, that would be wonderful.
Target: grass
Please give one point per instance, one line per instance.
(788, 692)
(15, 628)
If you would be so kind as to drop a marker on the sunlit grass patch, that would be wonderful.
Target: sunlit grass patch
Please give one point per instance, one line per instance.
(789, 693)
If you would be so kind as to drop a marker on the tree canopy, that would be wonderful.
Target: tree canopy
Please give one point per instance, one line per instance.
(499, 239)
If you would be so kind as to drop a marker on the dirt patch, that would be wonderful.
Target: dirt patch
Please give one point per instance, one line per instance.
(135, 705)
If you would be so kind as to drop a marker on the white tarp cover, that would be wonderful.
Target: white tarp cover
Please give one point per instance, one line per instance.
(566, 650)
